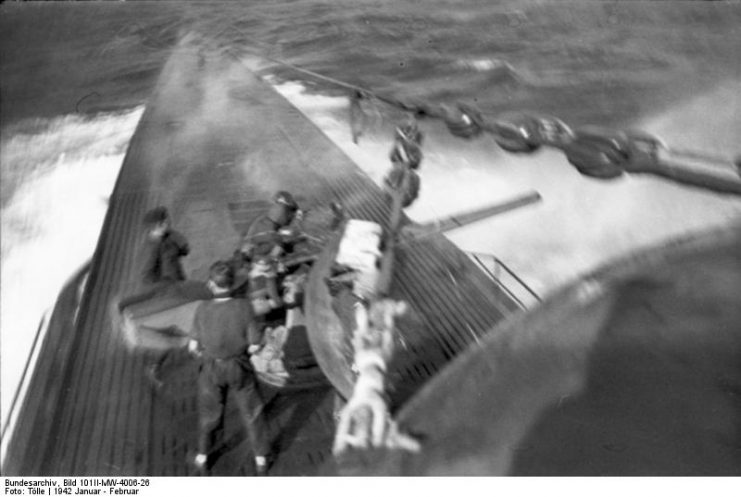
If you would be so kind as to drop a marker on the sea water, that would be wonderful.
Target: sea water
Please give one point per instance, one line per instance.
(76, 75)
(65, 171)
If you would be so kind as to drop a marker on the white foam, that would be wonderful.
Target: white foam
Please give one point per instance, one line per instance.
(484, 64)
(581, 222)
(51, 223)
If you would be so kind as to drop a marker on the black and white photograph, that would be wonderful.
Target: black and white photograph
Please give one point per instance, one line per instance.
(336, 238)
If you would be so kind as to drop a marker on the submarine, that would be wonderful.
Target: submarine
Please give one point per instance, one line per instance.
(632, 370)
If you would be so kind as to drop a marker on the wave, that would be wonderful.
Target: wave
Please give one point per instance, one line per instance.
(63, 170)
(581, 222)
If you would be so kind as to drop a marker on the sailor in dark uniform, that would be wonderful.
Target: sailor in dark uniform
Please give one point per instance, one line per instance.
(161, 269)
(161, 253)
(272, 233)
(164, 248)
(224, 335)
(266, 241)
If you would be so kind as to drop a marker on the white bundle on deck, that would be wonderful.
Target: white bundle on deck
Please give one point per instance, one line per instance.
(359, 250)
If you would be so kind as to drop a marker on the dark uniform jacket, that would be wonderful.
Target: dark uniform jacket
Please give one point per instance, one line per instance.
(263, 236)
(162, 258)
(225, 328)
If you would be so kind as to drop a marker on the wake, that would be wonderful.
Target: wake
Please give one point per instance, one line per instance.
(60, 173)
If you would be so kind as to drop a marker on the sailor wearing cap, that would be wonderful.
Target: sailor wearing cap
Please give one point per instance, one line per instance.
(164, 249)
(161, 269)
(224, 334)
(271, 234)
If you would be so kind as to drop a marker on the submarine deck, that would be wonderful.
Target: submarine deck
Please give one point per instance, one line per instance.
(213, 145)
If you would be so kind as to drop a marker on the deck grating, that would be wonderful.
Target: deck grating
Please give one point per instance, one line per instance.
(106, 418)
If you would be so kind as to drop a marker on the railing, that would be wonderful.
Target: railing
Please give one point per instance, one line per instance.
(511, 284)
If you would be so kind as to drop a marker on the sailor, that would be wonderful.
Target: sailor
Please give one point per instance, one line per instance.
(406, 156)
(224, 336)
(274, 233)
(263, 286)
(163, 248)
(267, 240)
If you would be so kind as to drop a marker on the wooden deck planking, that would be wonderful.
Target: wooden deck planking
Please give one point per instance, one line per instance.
(437, 310)
(110, 420)
(120, 395)
(134, 401)
(92, 385)
(111, 356)
(454, 326)
(87, 385)
(437, 324)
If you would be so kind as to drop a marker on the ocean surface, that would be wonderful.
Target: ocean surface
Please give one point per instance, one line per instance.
(76, 77)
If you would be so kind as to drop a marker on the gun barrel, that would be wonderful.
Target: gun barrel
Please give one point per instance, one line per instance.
(462, 219)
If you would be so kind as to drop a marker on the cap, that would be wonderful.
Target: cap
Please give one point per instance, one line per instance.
(285, 198)
(156, 216)
(222, 274)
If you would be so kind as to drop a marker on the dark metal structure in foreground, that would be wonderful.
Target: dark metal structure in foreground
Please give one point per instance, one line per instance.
(635, 370)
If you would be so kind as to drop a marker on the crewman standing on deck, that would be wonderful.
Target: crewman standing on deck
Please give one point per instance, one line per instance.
(165, 248)
(267, 239)
(273, 233)
(224, 335)
(162, 251)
